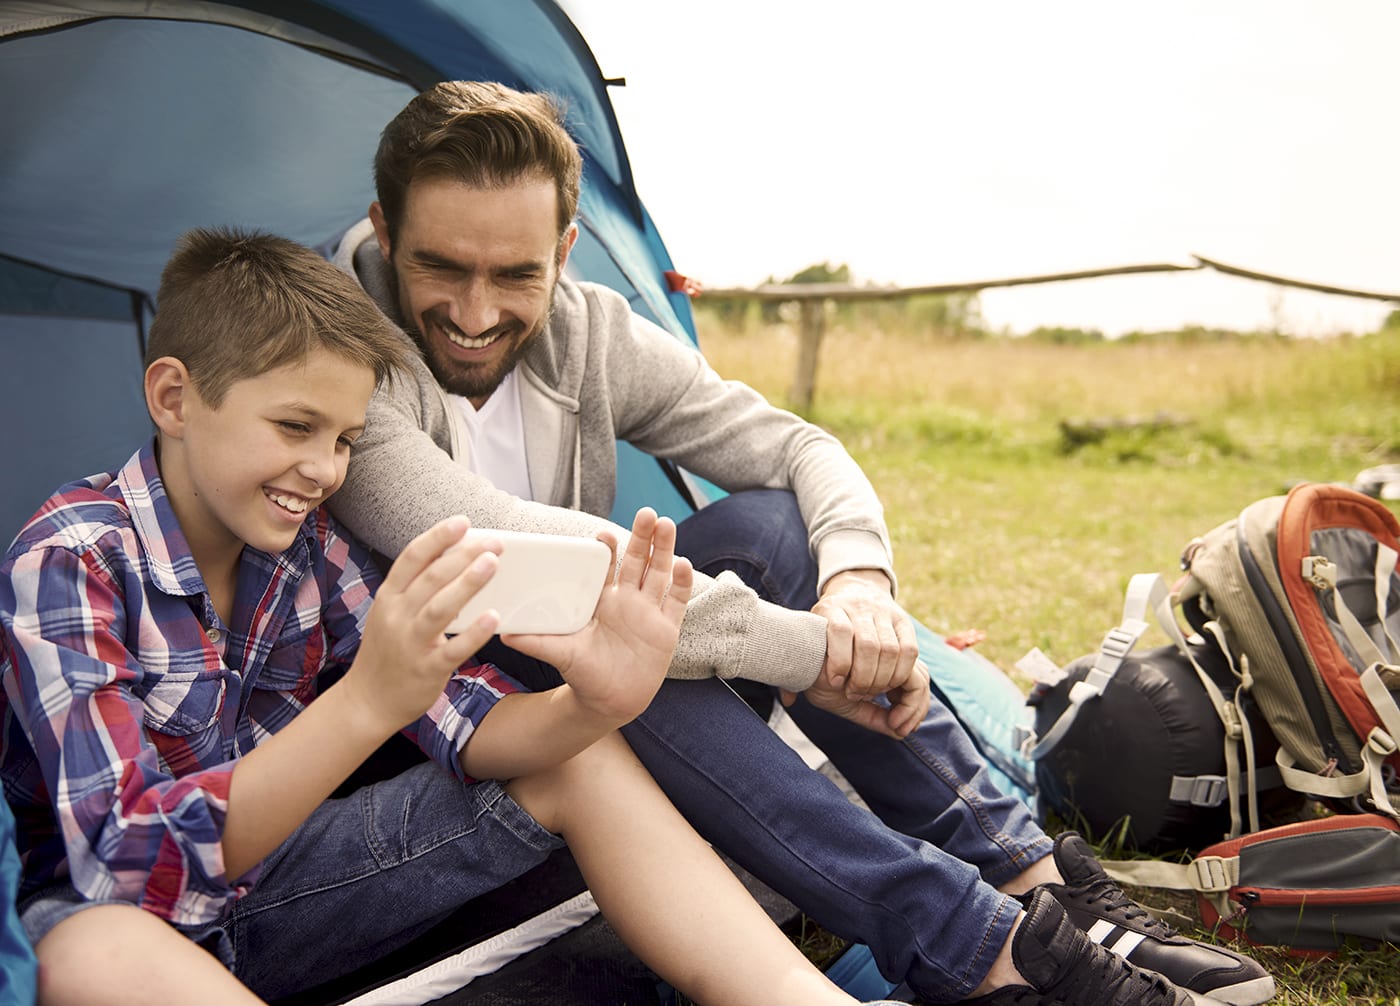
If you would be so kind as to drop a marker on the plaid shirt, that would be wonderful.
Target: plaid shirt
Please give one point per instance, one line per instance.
(127, 701)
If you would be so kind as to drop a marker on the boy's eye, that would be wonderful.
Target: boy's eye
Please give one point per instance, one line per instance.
(346, 442)
(294, 427)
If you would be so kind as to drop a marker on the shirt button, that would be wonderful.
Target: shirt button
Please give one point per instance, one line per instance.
(214, 636)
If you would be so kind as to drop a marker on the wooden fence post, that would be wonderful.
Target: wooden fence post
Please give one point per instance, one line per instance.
(809, 343)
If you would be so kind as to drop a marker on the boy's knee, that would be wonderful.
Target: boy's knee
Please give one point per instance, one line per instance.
(84, 952)
(554, 796)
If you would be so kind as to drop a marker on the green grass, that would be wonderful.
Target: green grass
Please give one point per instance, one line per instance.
(999, 523)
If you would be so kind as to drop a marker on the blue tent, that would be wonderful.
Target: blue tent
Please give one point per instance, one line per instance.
(126, 123)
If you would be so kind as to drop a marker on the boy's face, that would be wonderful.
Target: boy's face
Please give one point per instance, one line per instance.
(252, 469)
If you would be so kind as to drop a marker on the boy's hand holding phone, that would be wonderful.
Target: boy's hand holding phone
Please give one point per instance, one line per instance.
(405, 660)
(616, 662)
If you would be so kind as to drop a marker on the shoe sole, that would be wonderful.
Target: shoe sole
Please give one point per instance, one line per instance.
(1250, 993)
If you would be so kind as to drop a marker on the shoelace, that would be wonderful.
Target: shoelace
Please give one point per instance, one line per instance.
(1099, 978)
(1105, 889)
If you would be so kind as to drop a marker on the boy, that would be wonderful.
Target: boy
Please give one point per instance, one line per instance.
(164, 630)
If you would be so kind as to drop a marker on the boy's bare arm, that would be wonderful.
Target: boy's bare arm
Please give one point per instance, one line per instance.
(611, 668)
(403, 664)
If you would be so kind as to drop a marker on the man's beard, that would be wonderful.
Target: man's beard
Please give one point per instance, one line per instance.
(474, 381)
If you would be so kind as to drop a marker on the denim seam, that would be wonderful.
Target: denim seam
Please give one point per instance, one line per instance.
(923, 954)
(1019, 856)
(378, 851)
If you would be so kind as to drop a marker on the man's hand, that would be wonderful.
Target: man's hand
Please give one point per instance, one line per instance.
(908, 703)
(871, 650)
(615, 663)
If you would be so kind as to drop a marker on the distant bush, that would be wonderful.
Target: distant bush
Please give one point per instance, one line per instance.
(1057, 336)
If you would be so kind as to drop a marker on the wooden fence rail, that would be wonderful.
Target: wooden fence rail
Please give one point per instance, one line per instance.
(810, 297)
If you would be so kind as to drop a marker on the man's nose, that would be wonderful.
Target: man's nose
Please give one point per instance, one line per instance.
(477, 309)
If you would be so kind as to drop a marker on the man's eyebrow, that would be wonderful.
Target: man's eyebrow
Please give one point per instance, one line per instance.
(424, 257)
(421, 256)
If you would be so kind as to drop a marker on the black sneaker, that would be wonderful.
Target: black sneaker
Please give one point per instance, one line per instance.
(1098, 906)
(1066, 968)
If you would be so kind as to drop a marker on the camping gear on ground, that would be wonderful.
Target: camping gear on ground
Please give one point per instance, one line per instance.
(1294, 648)
(1131, 745)
(1311, 887)
(1148, 763)
(1301, 595)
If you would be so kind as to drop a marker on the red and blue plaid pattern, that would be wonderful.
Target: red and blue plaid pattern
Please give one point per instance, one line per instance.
(127, 701)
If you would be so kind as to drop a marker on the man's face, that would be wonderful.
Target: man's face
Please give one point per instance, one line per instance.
(475, 271)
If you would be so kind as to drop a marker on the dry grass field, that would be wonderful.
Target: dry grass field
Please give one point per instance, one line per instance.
(1002, 523)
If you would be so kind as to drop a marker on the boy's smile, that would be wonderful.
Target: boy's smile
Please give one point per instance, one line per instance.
(249, 470)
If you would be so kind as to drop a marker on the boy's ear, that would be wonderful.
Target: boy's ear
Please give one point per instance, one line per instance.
(381, 228)
(168, 388)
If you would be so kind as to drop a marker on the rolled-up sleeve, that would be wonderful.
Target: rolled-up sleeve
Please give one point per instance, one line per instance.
(446, 727)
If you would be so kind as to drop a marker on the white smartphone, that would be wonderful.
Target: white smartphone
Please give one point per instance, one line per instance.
(545, 583)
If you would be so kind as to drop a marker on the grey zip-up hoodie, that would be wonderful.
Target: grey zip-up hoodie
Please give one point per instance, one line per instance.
(600, 373)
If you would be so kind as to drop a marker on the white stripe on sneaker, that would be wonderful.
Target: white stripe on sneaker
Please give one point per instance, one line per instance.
(1100, 931)
(1127, 944)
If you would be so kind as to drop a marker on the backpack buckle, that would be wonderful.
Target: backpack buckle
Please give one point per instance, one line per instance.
(1118, 643)
(1214, 874)
(1320, 571)
(1200, 790)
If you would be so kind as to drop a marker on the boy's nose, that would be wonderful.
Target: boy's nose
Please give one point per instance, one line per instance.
(321, 467)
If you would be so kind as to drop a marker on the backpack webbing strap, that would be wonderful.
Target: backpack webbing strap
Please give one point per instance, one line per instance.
(1321, 573)
(1209, 876)
(1237, 730)
(1115, 648)
(1213, 790)
(1385, 566)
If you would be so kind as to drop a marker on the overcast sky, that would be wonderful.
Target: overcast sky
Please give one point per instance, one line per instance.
(933, 142)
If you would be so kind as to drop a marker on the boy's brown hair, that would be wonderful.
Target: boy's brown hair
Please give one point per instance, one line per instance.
(483, 134)
(234, 304)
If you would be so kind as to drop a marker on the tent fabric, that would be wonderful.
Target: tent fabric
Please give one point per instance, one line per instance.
(136, 121)
(128, 122)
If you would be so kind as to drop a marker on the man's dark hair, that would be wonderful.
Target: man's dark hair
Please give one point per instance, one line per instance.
(480, 133)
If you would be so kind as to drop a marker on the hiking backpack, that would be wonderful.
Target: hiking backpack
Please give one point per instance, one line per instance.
(1298, 599)
(1311, 887)
(1300, 594)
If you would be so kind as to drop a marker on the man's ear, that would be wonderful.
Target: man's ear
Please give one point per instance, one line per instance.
(168, 389)
(566, 245)
(381, 228)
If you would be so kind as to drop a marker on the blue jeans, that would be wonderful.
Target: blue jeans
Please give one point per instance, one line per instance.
(369, 872)
(362, 876)
(932, 787)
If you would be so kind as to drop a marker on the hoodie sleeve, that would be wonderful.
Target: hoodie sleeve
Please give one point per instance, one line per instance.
(402, 479)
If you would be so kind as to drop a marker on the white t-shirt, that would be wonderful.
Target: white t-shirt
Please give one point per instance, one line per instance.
(496, 438)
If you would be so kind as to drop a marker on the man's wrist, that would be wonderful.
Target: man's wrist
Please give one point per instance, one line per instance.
(872, 578)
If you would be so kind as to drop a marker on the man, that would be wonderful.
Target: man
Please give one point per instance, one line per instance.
(509, 415)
